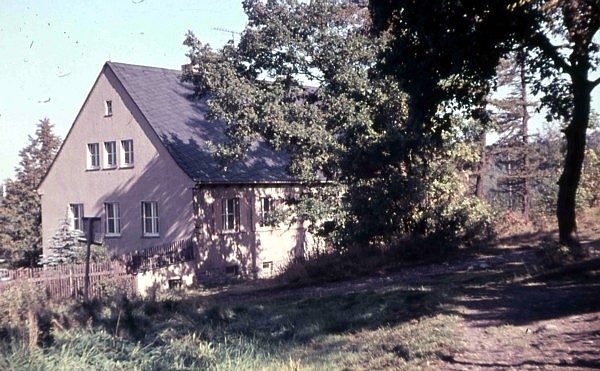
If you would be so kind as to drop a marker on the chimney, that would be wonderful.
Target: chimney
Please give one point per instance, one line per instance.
(188, 69)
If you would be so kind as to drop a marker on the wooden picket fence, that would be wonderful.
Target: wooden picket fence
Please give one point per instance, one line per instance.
(67, 281)
(159, 256)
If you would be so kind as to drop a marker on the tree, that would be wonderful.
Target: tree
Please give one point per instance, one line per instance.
(351, 127)
(65, 247)
(447, 51)
(512, 152)
(21, 217)
(589, 191)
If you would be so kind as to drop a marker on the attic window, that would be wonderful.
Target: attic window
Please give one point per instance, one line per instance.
(108, 108)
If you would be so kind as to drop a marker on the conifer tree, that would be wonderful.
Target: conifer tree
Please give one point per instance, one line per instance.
(64, 246)
(20, 224)
(513, 153)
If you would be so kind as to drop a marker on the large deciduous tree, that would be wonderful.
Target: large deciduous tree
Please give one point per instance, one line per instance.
(20, 226)
(351, 127)
(447, 51)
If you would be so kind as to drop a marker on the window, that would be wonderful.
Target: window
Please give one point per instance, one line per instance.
(76, 216)
(266, 211)
(233, 270)
(127, 153)
(150, 218)
(93, 156)
(110, 154)
(230, 208)
(113, 219)
(108, 108)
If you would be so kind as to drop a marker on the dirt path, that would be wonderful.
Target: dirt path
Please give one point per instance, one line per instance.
(544, 325)
(503, 322)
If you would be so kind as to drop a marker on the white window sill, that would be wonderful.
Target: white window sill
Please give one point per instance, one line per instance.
(126, 166)
(92, 169)
(230, 231)
(112, 235)
(113, 167)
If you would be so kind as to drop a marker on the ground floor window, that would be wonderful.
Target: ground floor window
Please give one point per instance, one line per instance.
(266, 211)
(113, 218)
(76, 216)
(150, 218)
(230, 214)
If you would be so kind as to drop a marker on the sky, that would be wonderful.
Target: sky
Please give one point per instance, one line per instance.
(51, 52)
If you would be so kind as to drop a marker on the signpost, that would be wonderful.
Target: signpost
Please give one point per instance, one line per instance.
(89, 224)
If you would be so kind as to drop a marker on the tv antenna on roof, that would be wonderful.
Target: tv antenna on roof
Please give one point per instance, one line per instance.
(233, 33)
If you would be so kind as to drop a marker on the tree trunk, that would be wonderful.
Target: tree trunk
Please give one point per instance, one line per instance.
(569, 180)
(479, 191)
(525, 131)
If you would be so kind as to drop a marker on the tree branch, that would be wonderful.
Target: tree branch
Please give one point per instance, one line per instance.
(541, 41)
(594, 83)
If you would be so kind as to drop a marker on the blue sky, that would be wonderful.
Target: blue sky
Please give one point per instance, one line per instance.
(52, 51)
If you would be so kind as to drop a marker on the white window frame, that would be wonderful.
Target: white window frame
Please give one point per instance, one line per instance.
(265, 212)
(93, 157)
(127, 158)
(230, 214)
(152, 218)
(108, 108)
(110, 158)
(76, 216)
(112, 216)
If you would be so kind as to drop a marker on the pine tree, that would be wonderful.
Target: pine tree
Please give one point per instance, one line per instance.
(512, 153)
(64, 246)
(20, 223)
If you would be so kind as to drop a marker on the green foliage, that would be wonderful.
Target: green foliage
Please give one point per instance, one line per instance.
(275, 333)
(354, 127)
(588, 194)
(64, 247)
(24, 316)
(20, 220)
(453, 47)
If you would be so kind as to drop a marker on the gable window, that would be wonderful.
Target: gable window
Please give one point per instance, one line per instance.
(113, 218)
(230, 213)
(266, 211)
(127, 153)
(110, 154)
(150, 218)
(76, 216)
(93, 156)
(108, 109)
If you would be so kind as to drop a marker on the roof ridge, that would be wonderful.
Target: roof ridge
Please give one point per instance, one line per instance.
(142, 66)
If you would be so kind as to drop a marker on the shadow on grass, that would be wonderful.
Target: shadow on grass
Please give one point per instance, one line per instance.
(484, 289)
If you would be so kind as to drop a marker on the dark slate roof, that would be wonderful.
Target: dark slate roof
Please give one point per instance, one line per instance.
(179, 121)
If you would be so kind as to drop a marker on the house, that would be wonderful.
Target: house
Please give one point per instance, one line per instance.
(139, 155)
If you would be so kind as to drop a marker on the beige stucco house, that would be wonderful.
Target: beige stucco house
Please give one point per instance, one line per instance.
(139, 156)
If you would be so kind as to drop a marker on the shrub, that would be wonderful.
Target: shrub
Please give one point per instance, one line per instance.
(24, 316)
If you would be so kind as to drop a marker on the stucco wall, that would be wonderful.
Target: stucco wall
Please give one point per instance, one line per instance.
(154, 176)
(252, 245)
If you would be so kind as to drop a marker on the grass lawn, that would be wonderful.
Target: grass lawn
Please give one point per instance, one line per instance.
(465, 313)
(394, 326)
